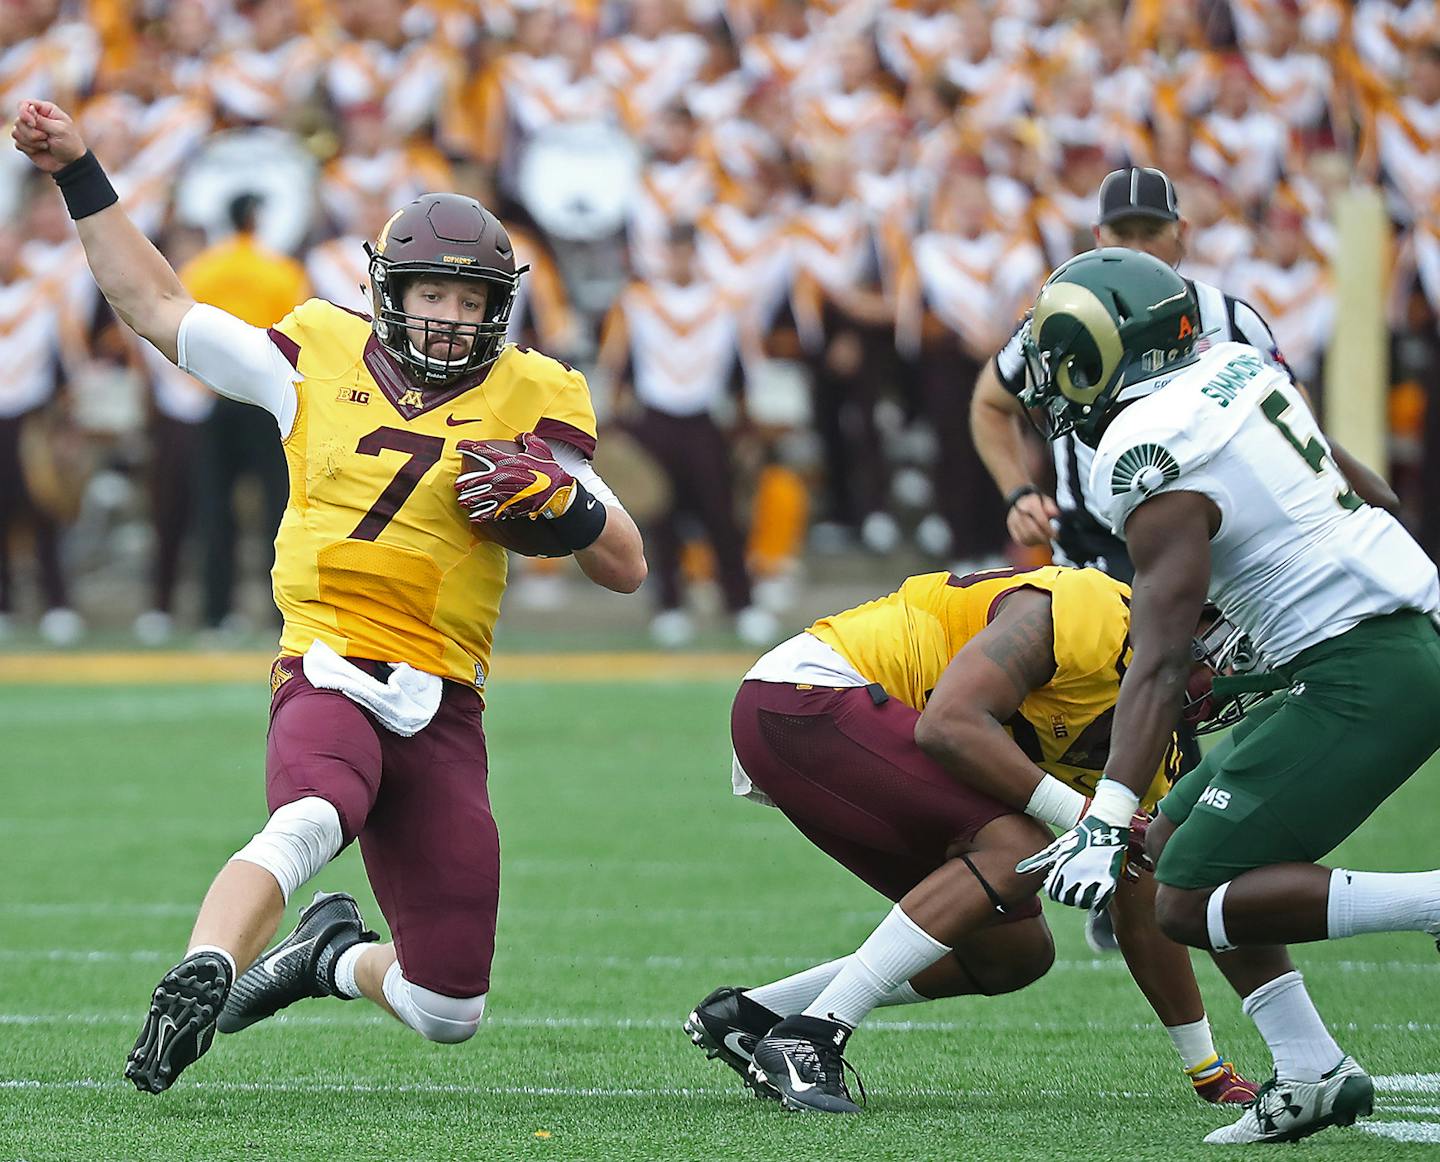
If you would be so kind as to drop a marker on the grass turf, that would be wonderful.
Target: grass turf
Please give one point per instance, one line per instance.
(632, 885)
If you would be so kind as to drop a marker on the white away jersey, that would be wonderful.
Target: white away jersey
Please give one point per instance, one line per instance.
(1299, 558)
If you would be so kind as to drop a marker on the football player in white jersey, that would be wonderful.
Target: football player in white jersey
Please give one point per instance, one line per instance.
(1138, 209)
(1211, 467)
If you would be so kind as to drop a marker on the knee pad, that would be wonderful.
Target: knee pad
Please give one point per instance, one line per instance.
(299, 839)
(436, 1017)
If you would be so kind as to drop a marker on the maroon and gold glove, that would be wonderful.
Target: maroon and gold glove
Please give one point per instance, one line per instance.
(513, 478)
(1136, 860)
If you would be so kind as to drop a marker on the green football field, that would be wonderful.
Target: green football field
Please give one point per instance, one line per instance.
(633, 884)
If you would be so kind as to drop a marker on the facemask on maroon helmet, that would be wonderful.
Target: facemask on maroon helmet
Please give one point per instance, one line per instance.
(442, 236)
(1228, 679)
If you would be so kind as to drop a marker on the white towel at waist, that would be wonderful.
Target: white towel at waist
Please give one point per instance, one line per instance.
(741, 785)
(404, 705)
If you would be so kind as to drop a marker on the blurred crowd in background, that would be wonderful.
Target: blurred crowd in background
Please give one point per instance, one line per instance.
(808, 221)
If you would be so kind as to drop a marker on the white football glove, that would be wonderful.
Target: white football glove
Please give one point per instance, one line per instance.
(1085, 863)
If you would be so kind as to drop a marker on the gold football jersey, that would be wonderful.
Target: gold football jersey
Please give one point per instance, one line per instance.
(905, 641)
(375, 557)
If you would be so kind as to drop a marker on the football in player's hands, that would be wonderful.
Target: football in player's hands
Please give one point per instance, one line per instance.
(509, 487)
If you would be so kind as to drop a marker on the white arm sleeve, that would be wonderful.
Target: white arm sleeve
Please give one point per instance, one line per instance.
(239, 362)
(573, 461)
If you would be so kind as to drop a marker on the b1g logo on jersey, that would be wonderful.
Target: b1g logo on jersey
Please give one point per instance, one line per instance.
(353, 395)
(1215, 797)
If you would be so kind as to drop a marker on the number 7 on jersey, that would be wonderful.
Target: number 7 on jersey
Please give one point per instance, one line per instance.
(424, 453)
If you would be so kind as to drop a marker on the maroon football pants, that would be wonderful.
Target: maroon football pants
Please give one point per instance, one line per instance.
(846, 771)
(420, 807)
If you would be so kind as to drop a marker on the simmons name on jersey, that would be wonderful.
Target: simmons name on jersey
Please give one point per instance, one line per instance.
(1299, 558)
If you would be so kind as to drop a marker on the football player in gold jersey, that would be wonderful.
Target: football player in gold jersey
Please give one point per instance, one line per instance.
(389, 589)
(919, 740)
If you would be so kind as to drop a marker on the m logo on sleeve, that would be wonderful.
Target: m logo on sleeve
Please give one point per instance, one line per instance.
(1216, 798)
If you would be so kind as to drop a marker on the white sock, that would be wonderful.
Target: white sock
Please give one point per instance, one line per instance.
(903, 994)
(1196, 1048)
(218, 951)
(890, 956)
(1286, 1017)
(345, 970)
(1383, 902)
(792, 994)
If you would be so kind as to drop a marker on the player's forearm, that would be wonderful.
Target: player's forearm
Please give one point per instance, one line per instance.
(134, 277)
(1145, 716)
(980, 754)
(996, 433)
(616, 559)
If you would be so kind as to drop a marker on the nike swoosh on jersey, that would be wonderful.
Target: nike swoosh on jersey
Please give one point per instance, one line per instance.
(451, 421)
(269, 963)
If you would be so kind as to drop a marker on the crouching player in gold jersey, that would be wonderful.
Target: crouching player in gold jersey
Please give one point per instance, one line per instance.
(920, 740)
(389, 589)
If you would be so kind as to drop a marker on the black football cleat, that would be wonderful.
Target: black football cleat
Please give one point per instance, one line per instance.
(181, 1022)
(802, 1060)
(726, 1024)
(302, 965)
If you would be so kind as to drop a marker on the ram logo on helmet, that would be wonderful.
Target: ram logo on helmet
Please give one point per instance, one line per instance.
(1105, 320)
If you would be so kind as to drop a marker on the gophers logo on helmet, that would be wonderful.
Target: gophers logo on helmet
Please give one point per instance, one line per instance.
(449, 236)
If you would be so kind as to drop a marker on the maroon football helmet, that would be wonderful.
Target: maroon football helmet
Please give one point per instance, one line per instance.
(453, 236)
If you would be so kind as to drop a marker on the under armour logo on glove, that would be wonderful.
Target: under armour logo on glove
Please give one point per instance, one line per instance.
(1084, 864)
(512, 478)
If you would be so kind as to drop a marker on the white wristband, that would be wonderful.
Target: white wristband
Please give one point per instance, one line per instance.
(1056, 804)
(1115, 803)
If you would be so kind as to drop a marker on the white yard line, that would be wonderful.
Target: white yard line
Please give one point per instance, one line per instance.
(1409, 1082)
(659, 961)
(306, 1086)
(1403, 1131)
(1404, 1083)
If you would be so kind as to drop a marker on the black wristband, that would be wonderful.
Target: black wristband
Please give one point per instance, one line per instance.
(1016, 495)
(580, 525)
(85, 187)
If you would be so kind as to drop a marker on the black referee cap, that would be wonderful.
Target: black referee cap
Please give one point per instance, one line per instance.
(1137, 192)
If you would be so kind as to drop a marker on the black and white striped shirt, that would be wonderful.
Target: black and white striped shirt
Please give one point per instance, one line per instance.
(1083, 538)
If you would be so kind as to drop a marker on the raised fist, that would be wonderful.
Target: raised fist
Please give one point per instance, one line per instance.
(45, 134)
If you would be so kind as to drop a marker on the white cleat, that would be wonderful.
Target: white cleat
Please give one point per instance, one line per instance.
(1286, 1111)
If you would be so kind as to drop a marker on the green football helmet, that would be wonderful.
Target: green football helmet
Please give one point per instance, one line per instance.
(1104, 321)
